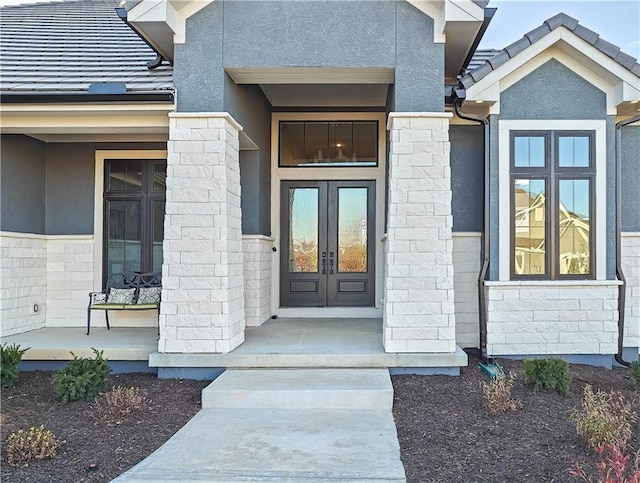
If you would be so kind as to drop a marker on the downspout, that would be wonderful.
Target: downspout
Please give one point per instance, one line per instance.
(622, 288)
(484, 251)
(152, 64)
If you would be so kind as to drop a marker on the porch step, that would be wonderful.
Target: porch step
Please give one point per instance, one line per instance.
(300, 389)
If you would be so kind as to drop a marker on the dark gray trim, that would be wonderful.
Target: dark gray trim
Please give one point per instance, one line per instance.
(54, 98)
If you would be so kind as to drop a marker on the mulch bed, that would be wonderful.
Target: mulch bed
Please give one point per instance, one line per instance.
(446, 433)
(95, 450)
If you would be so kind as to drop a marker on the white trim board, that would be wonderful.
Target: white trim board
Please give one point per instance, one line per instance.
(504, 204)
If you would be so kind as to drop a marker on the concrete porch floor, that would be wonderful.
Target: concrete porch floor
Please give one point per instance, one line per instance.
(279, 343)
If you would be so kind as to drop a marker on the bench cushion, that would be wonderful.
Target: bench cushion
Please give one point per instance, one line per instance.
(122, 296)
(148, 295)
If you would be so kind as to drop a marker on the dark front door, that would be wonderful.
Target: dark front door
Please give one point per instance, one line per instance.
(327, 254)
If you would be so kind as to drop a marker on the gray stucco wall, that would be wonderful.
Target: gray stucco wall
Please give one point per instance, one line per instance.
(70, 184)
(22, 183)
(49, 188)
(552, 91)
(467, 179)
(248, 105)
(317, 33)
(494, 207)
(630, 149)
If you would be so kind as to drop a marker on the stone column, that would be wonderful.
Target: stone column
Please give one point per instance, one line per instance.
(418, 308)
(202, 306)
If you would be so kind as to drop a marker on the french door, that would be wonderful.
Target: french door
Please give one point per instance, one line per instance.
(328, 247)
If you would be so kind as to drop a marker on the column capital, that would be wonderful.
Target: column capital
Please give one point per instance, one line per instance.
(207, 115)
(403, 116)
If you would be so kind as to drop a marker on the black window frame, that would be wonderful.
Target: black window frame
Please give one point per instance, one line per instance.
(553, 173)
(147, 196)
(333, 164)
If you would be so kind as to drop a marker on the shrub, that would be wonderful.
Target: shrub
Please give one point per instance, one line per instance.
(119, 403)
(604, 418)
(10, 356)
(497, 393)
(548, 373)
(82, 379)
(635, 373)
(36, 443)
(614, 465)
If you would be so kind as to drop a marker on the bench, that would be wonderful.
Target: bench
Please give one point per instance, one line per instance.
(127, 291)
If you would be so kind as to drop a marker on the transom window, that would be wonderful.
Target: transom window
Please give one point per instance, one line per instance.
(328, 143)
(134, 203)
(552, 204)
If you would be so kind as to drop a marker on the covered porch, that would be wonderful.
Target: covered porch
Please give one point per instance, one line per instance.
(278, 343)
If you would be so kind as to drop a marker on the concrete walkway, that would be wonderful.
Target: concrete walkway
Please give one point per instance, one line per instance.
(294, 425)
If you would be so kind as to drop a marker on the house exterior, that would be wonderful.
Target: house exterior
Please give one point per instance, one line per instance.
(322, 159)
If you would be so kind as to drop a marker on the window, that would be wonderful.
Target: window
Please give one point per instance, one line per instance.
(552, 204)
(328, 143)
(134, 201)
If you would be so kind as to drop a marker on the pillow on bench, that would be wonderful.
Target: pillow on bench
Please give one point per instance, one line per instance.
(121, 296)
(148, 295)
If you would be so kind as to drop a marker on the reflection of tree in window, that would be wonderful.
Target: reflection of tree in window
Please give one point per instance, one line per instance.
(530, 234)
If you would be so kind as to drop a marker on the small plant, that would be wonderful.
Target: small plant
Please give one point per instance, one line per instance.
(497, 393)
(36, 443)
(119, 403)
(10, 357)
(635, 373)
(82, 379)
(614, 465)
(548, 373)
(604, 418)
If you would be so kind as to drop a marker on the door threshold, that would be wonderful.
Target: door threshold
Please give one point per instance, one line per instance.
(330, 312)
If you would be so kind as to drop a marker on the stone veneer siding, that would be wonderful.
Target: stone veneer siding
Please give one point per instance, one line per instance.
(70, 275)
(466, 269)
(418, 313)
(631, 269)
(258, 256)
(23, 282)
(537, 318)
(202, 306)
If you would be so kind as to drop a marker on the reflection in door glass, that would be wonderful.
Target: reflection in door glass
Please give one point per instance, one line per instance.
(303, 230)
(352, 230)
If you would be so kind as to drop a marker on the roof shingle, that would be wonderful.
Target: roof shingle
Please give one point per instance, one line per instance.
(67, 46)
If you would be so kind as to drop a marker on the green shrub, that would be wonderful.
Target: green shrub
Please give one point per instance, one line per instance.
(635, 373)
(604, 419)
(36, 443)
(548, 373)
(82, 379)
(10, 356)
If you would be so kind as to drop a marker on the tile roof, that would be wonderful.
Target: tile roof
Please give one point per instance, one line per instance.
(65, 47)
(483, 63)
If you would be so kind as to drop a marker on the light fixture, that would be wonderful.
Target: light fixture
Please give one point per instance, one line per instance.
(479, 102)
(338, 145)
(634, 102)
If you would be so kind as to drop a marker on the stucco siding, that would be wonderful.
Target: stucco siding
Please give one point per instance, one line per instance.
(22, 184)
(630, 150)
(467, 178)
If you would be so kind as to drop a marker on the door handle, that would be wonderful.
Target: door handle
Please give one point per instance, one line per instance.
(330, 263)
(324, 263)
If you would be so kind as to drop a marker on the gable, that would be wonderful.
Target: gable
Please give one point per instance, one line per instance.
(531, 97)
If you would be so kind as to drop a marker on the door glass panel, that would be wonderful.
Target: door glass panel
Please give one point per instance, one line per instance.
(575, 225)
(303, 230)
(124, 239)
(125, 175)
(352, 230)
(530, 215)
